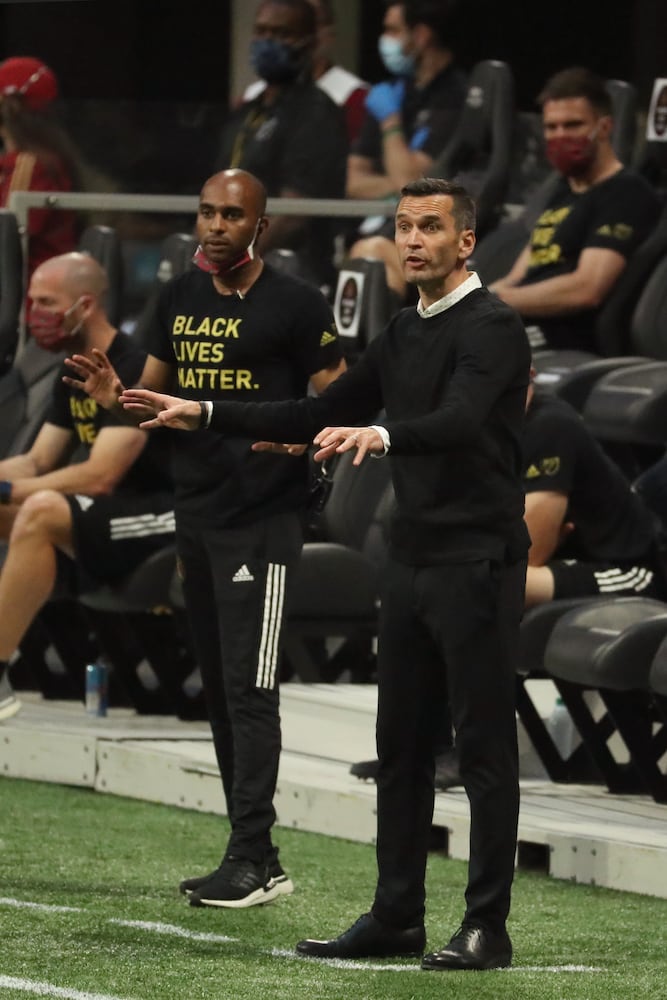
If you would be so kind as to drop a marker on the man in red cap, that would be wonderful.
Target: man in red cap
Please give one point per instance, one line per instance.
(38, 156)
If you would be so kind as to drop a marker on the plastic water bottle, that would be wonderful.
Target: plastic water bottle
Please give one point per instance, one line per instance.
(97, 689)
(562, 729)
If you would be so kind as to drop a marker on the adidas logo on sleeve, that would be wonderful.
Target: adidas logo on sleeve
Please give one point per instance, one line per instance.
(243, 575)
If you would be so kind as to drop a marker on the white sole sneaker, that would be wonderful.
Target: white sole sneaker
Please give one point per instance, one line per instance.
(283, 883)
(9, 706)
(256, 898)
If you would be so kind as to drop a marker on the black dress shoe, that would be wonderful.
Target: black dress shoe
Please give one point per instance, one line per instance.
(472, 947)
(368, 938)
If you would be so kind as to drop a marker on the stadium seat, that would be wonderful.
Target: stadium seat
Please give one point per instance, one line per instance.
(625, 111)
(144, 638)
(536, 628)
(11, 288)
(608, 647)
(103, 243)
(176, 252)
(479, 153)
(25, 395)
(336, 590)
(363, 304)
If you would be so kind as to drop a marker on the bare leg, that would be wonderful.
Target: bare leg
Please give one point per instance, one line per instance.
(539, 585)
(42, 525)
(381, 248)
(7, 518)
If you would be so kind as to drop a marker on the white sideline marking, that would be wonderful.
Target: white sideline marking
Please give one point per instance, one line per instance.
(46, 907)
(361, 964)
(173, 930)
(45, 989)
(49, 990)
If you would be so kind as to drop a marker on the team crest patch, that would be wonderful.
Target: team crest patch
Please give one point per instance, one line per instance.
(550, 466)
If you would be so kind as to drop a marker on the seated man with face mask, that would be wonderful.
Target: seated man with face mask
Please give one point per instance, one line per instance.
(291, 136)
(595, 219)
(95, 520)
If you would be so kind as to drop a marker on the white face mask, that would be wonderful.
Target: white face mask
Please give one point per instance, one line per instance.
(393, 56)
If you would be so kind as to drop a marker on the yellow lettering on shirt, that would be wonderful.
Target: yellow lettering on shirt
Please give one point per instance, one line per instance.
(219, 327)
(216, 378)
(82, 409)
(87, 433)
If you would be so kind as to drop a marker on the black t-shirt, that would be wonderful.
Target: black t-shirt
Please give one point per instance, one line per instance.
(262, 347)
(428, 117)
(298, 142)
(74, 410)
(617, 214)
(562, 456)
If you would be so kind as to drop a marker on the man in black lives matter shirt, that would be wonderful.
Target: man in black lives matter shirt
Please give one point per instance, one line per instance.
(235, 328)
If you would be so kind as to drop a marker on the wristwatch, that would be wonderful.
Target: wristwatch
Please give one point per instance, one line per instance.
(5, 491)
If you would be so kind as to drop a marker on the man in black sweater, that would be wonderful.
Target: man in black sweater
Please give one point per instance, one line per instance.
(452, 377)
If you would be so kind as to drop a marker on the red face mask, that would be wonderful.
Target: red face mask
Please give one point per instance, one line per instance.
(571, 155)
(48, 328)
(201, 261)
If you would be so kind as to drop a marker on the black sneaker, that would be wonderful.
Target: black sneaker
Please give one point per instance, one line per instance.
(239, 882)
(9, 703)
(277, 877)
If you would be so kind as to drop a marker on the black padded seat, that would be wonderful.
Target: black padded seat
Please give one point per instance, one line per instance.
(625, 108)
(363, 303)
(479, 153)
(103, 243)
(145, 638)
(607, 644)
(336, 587)
(629, 405)
(25, 396)
(536, 628)
(657, 678)
(176, 252)
(146, 588)
(608, 648)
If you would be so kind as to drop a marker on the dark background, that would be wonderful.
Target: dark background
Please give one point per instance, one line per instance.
(145, 85)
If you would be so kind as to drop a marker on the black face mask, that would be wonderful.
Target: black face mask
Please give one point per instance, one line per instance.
(277, 62)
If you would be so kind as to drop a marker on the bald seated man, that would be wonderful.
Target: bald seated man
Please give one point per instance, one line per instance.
(92, 520)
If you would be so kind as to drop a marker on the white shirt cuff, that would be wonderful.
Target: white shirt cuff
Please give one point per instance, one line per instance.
(384, 434)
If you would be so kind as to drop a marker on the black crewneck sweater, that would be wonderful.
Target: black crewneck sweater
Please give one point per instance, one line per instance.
(453, 391)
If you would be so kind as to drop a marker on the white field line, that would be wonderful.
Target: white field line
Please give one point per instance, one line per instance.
(24, 904)
(174, 930)
(49, 990)
(347, 963)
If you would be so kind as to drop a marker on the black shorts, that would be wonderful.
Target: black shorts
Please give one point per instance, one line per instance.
(114, 534)
(573, 578)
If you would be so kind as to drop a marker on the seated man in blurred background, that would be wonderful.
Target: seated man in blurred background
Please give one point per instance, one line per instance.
(292, 135)
(346, 89)
(106, 512)
(408, 118)
(596, 217)
(592, 534)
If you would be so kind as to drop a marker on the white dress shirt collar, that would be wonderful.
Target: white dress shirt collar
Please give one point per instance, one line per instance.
(447, 301)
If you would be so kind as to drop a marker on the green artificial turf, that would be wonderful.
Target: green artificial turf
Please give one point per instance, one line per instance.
(112, 860)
